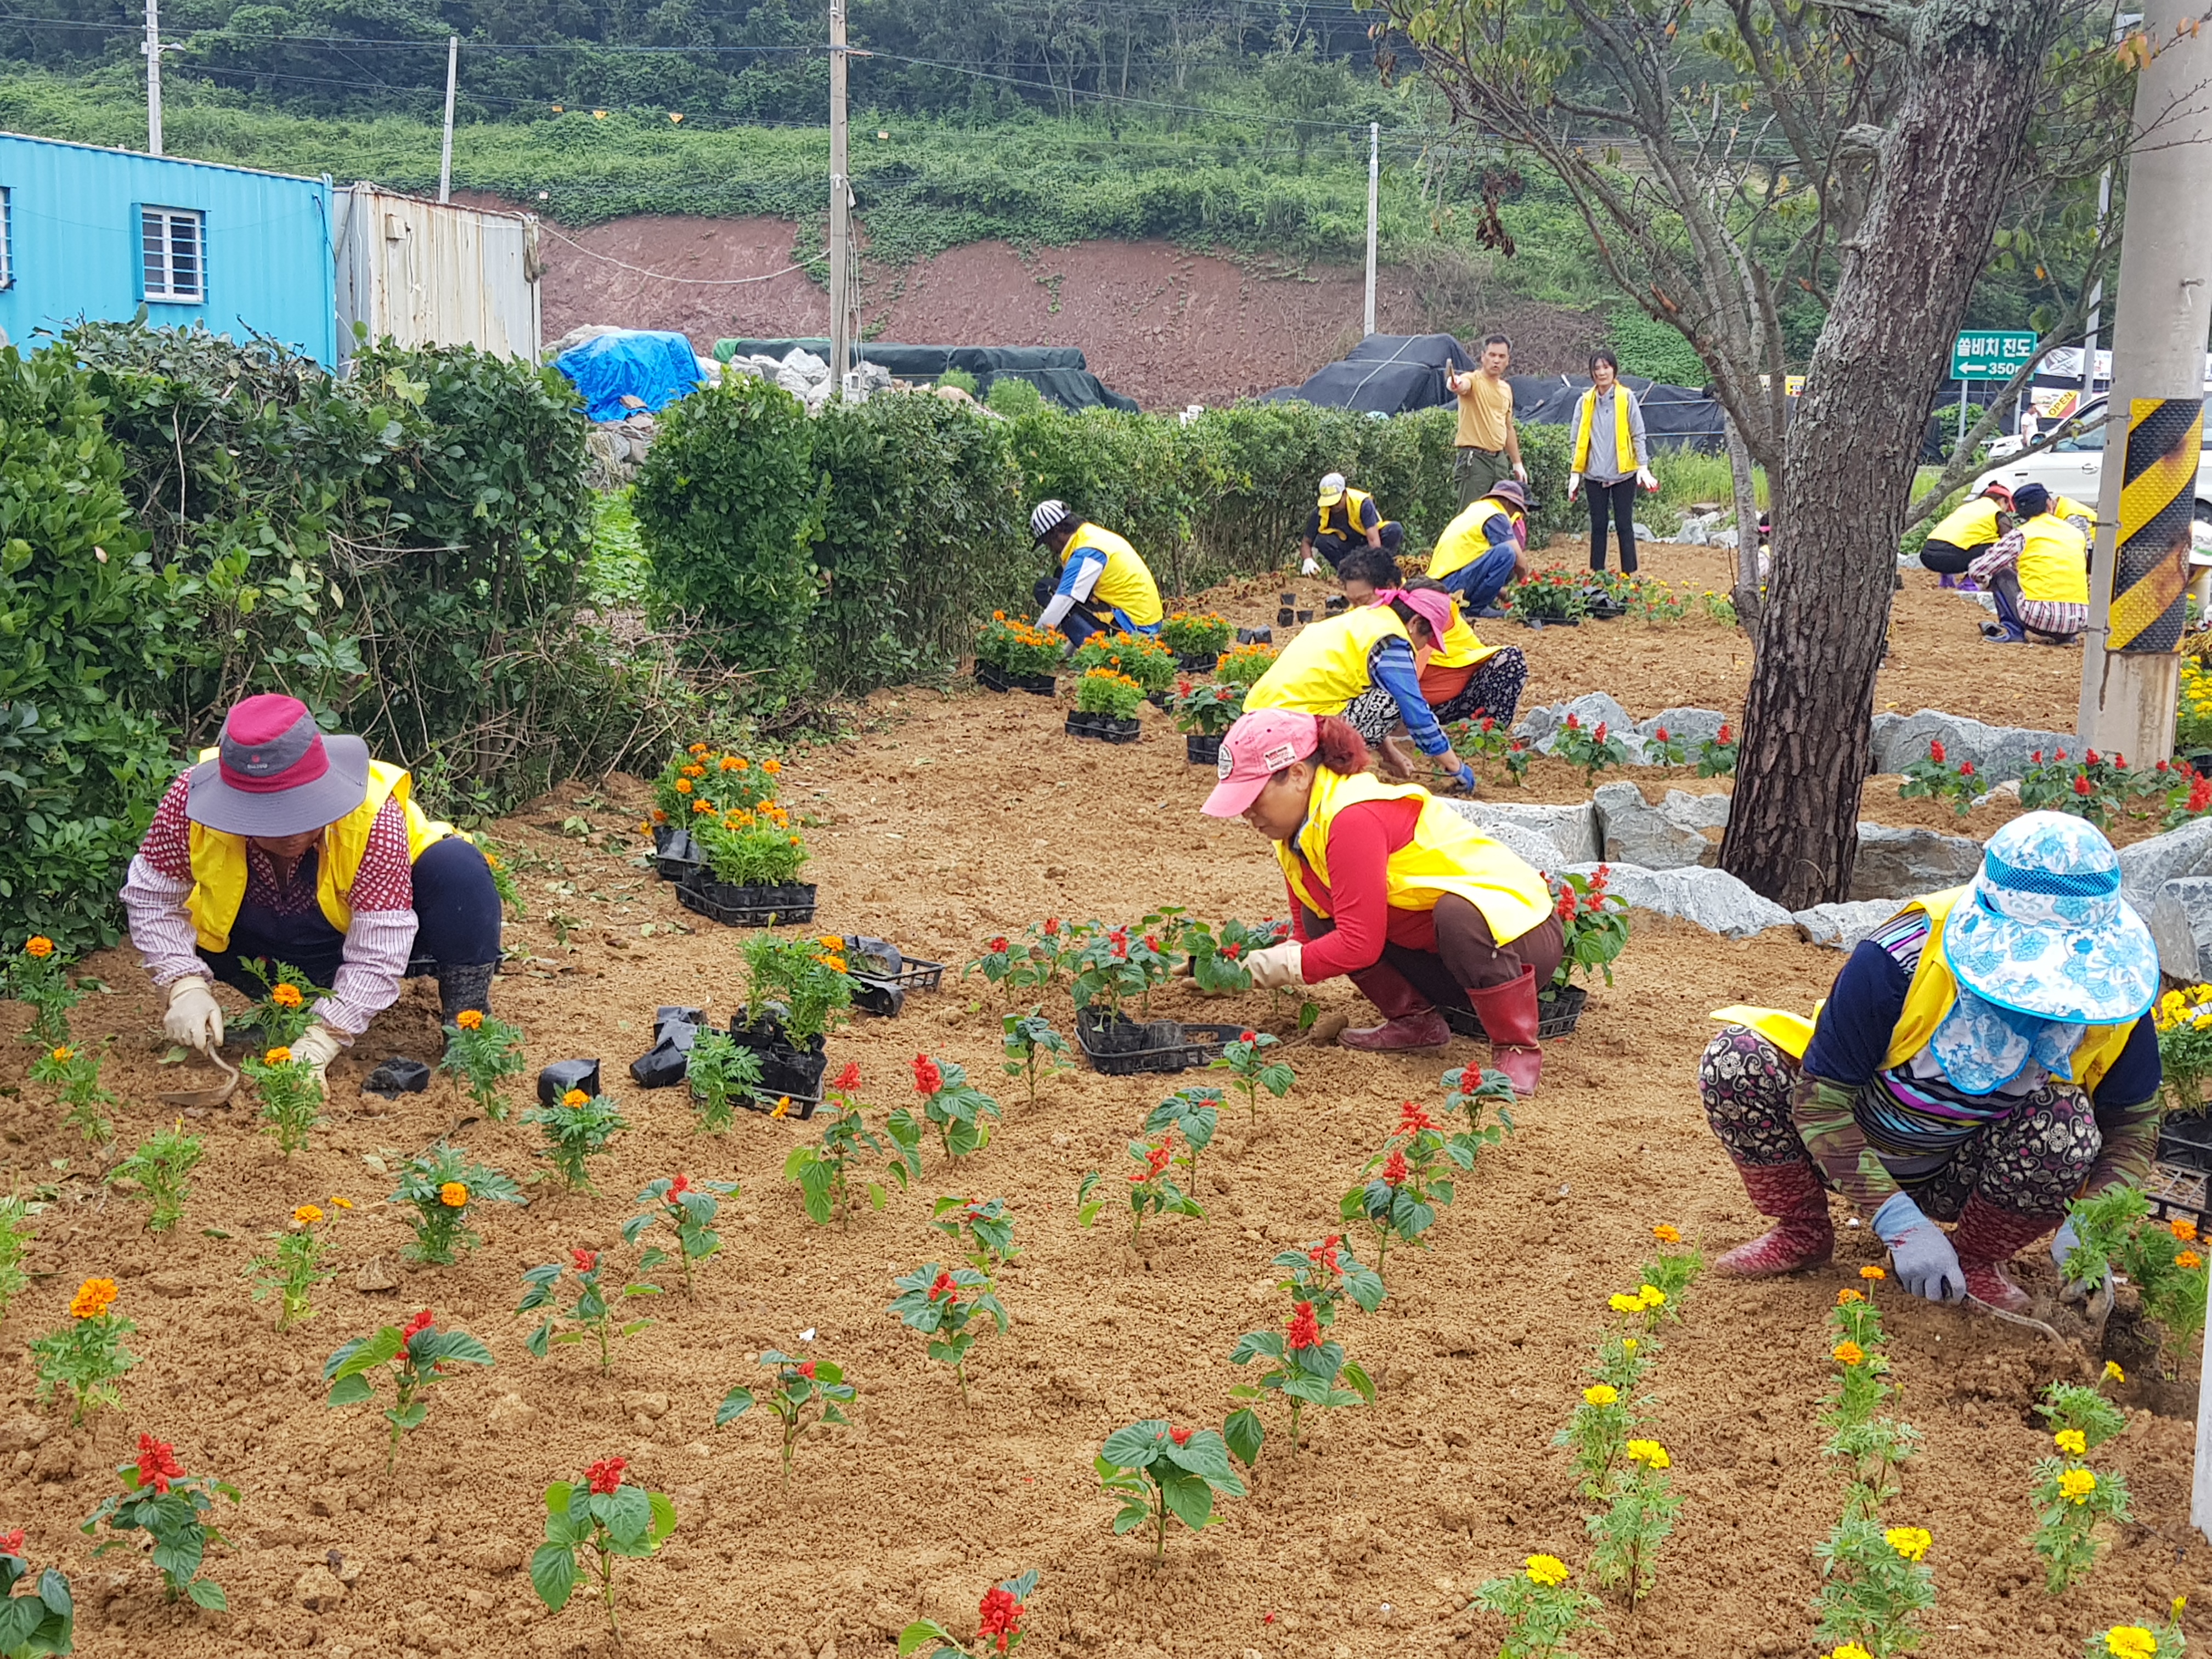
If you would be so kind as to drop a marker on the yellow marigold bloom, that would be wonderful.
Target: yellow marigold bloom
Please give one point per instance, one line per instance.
(1626, 1304)
(575, 1097)
(39, 946)
(1847, 1354)
(338, 1203)
(2070, 1441)
(2131, 1642)
(285, 996)
(277, 1056)
(470, 1020)
(830, 941)
(93, 1297)
(1651, 1296)
(782, 1107)
(2074, 1486)
(1601, 1393)
(1667, 1234)
(63, 1055)
(1547, 1570)
(1628, 1344)
(453, 1194)
(1911, 1542)
(1872, 1272)
(306, 1215)
(2113, 1373)
(1849, 1650)
(1845, 1297)
(1650, 1453)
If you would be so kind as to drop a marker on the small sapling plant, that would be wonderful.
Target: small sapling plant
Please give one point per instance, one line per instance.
(38, 977)
(1541, 1608)
(291, 1099)
(1597, 1436)
(440, 1185)
(285, 1010)
(1247, 1061)
(576, 1131)
(1875, 1585)
(85, 1358)
(1154, 1469)
(1673, 1266)
(1403, 1184)
(998, 1624)
(954, 1107)
(1628, 1534)
(805, 1392)
(823, 1170)
(2141, 1641)
(2071, 1498)
(591, 1313)
(688, 1207)
(1938, 778)
(1195, 1114)
(1032, 1047)
(413, 1356)
(73, 1071)
(942, 1304)
(983, 1226)
(483, 1051)
(1152, 1190)
(1327, 1273)
(1476, 1091)
(1307, 1371)
(162, 1170)
(293, 1268)
(1665, 749)
(175, 1510)
(1591, 750)
(15, 1235)
(589, 1526)
(1716, 755)
(721, 1074)
(36, 1619)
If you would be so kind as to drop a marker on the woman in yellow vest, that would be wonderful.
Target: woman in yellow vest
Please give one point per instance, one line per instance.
(1391, 887)
(1611, 457)
(1484, 549)
(294, 848)
(2039, 574)
(1965, 533)
(1461, 677)
(1098, 569)
(1984, 1056)
(1343, 518)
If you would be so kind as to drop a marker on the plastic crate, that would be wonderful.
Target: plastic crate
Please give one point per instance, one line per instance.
(1200, 750)
(677, 856)
(1162, 1045)
(1555, 1015)
(884, 995)
(991, 678)
(1104, 728)
(747, 906)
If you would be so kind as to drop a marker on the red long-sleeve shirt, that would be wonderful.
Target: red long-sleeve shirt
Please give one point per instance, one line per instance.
(1361, 839)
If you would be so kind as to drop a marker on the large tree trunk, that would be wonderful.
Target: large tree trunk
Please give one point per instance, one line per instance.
(1840, 506)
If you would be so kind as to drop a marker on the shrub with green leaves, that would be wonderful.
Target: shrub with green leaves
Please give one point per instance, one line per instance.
(1154, 1469)
(590, 1317)
(688, 1207)
(579, 1129)
(73, 1071)
(172, 1509)
(415, 1356)
(1308, 1368)
(440, 1186)
(806, 1392)
(161, 1170)
(589, 1526)
(721, 1074)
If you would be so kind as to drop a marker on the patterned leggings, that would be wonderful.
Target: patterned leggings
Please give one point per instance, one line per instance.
(1493, 688)
(2031, 1162)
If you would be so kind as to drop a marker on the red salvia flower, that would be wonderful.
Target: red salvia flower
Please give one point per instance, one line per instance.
(1152, 942)
(1573, 724)
(585, 1260)
(1324, 1254)
(1051, 926)
(1305, 1328)
(1723, 737)
(1230, 952)
(1936, 751)
(999, 1616)
(1394, 1171)
(11, 1543)
(998, 944)
(1155, 1160)
(1966, 768)
(1414, 1117)
(1181, 1437)
(1660, 733)
(414, 1327)
(2092, 757)
(1247, 1036)
(928, 1079)
(849, 1078)
(2081, 784)
(681, 1184)
(606, 1475)
(157, 1466)
(944, 1287)
(806, 1370)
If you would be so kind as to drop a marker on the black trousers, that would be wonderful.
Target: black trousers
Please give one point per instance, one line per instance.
(1333, 547)
(1948, 558)
(1616, 501)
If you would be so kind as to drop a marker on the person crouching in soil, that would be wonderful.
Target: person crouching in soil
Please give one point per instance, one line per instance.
(1392, 888)
(1986, 1056)
(1461, 677)
(294, 848)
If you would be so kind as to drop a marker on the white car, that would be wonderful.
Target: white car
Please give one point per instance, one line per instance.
(2074, 466)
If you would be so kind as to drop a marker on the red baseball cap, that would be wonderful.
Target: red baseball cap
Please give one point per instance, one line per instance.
(1259, 746)
(275, 774)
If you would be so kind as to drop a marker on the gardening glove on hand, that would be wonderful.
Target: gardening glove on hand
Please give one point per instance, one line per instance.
(1920, 1251)
(1644, 477)
(1309, 567)
(1574, 484)
(194, 1016)
(318, 1046)
(1465, 779)
(2062, 1246)
(1277, 966)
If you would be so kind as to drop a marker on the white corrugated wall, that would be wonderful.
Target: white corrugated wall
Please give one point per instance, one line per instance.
(429, 274)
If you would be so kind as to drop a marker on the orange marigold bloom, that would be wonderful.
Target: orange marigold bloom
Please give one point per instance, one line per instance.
(285, 996)
(39, 946)
(1847, 1354)
(277, 1056)
(1666, 1234)
(453, 1194)
(2184, 1229)
(2188, 1258)
(93, 1297)
(742, 764)
(682, 786)
(1845, 1297)
(470, 1020)
(773, 767)
(308, 1215)
(61, 1056)
(729, 762)
(701, 748)
(1872, 1272)
(702, 807)
(575, 1097)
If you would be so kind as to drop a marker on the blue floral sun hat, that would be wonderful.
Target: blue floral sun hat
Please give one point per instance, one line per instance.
(2044, 931)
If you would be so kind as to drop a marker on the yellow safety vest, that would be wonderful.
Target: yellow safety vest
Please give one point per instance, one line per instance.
(1126, 583)
(1354, 506)
(219, 858)
(2066, 507)
(1447, 854)
(1933, 994)
(1971, 524)
(1624, 436)
(1325, 668)
(1465, 539)
(1459, 648)
(2054, 562)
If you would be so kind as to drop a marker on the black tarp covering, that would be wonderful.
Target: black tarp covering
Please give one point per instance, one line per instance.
(1059, 371)
(1385, 374)
(1675, 417)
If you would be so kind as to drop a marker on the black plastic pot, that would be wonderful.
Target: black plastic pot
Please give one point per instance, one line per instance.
(991, 678)
(396, 1077)
(1607, 609)
(676, 856)
(1540, 622)
(1201, 750)
(1336, 605)
(665, 1064)
(1286, 597)
(1121, 1047)
(562, 1075)
(1197, 662)
(1305, 615)
(786, 1071)
(1104, 728)
(882, 975)
(1286, 616)
(2200, 762)
(2186, 1143)
(1255, 636)
(745, 907)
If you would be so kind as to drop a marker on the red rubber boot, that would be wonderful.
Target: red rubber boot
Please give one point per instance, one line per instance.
(1410, 1024)
(1508, 1013)
(1802, 1236)
(1986, 1237)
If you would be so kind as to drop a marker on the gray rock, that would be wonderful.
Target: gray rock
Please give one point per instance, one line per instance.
(1692, 726)
(1697, 811)
(1539, 851)
(1726, 539)
(795, 383)
(1694, 533)
(1998, 752)
(2180, 922)
(1538, 723)
(1843, 925)
(1898, 864)
(1573, 829)
(802, 362)
(2180, 854)
(1638, 834)
(1644, 532)
(1711, 899)
(1594, 708)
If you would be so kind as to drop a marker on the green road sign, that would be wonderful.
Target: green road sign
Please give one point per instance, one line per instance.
(1990, 354)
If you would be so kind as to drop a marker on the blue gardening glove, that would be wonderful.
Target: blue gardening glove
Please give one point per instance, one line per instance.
(2063, 1245)
(1920, 1252)
(1466, 779)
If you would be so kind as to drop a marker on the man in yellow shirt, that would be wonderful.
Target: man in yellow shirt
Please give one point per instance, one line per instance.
(1489, 450)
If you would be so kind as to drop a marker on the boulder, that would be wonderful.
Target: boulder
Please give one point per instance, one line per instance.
(1843, 925)
(2180, 923)
(1998, 752)
(1573, 829)
(804, 362)
(2175, 855)
(1539, 851)
(1691, 725)
(1898, 864)
(1697, 811)
(1636, 833)
(796, 383)
(1711, 899)
(1597, 708)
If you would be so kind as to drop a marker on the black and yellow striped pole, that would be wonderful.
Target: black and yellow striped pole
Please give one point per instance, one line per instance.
(2158, 499)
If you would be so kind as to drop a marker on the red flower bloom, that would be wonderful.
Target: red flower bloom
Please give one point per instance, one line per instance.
(1000, 1615)
(1723, 737)
(1966, 768)
(1181, 1437)
(1936, 751)
(681, 1184)
(157, 1466)
(1573, 724)
(2081, 783)
(421, 1322)
(1156, 1159)
(2092, 757)
(1600, 731)
(1233, 952)
(806, 1369)
(849, 1078)
(1660, 732)
(1324, 1254)
(1152, 941)
(2037, 756)
(1247, 1036)
(1412, 1118)
(2120, 761)
(606, 1475)
(1051, 926)
(1488, 725)
(998, 944)
(585, 1260)
(11, 1543)
(1394, 1171)
(1305, 1328)
(928, 1079)
(944, 1287)
(2061, 755)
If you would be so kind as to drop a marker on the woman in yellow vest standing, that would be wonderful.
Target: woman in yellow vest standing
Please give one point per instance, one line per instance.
(1098, 569)
(1984, 1056)
(1391, 887)
(1612, 458)
(2039, 574)
(294, 848)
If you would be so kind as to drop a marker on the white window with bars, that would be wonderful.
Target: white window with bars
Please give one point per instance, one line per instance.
(172, 242)
(7, 263)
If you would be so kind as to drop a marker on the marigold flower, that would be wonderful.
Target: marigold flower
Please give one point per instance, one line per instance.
(453, 1194)
(1872, 1272)
(1651, 1296)
(606, 1475)
(1547, 1570)
(1650, 1453)
(39, 946)
(682, 786)
(2072, 1441)
(927, 1078)
(575, 1097)
(729, 762)
(2113, 1373)
(849, 1078)
(93, 1297)
(341, 1203)
(1847, 1295)
(308, 1215)
(157, 1465)
(1911, 1542)
(1305, 1327)
(699, 808)
(773, 767)
(1601, 1393)
(2184, 1229)
(695, 771)
(2188, 1258)
(2074, 1486)
(277, 1056)
(1849, 1650)
(700, 749)
(1847, 1354)
(782, 1107)
(470, 1020)
(2131, 1642)
(1667, 1234)
(63, 1055)
(1628, 1344)
(285, 996)
(1625, 1304)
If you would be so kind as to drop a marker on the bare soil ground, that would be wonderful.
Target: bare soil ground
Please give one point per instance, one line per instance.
(944, 820)
(1156, 322)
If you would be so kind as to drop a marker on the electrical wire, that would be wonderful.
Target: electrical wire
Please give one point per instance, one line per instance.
(696, 282)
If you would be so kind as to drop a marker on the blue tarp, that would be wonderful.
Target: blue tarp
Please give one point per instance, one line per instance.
(655, 367)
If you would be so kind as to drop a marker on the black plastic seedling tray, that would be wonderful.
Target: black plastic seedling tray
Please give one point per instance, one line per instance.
(747, 907)
(1126, 1047)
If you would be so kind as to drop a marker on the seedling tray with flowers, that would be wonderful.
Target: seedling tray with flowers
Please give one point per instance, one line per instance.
(1010, 655)
(736, 906)
(1204, 712)
(751, 856)
(991, 678)
(1557, 1010)
(1197, 638)
(1118, 1046)
(882, 975)
(1106, 706)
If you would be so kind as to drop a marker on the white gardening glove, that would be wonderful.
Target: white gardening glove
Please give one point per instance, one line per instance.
(1278, 967)
(1644, 477)
(1521, 472)
(1311, 567)
(318, 1046)
(194, 1017)
(1574, 484)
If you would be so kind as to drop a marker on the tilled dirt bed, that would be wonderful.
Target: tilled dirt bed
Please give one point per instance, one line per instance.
(942, 821)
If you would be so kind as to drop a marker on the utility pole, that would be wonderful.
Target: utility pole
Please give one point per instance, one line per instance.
(2122, 22)
(153, 78)
(2139, 566)
(445, 155)
(1374, 177)
(841, 203)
